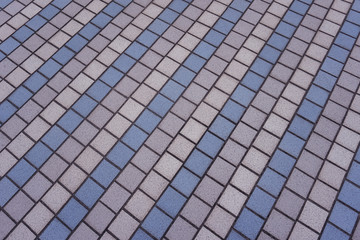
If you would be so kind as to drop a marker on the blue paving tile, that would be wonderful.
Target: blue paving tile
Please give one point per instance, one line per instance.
(147, 38)
(84, 105)
(185, 182)
(158, 27)
(299, 7)
(23, 33)
(35, 82)
(7, 190)
(36, 22)
(260, 202)
(54, 137)
(354, 173)
(332, 233)
(194, 62)
(293, 18)
(198, 162)
(76, 43)
(171, 202)
(148, 121)
(50, 68)
(261, 67)
(135, 137)
(234, 236)
(291, 144)
(105, 173)
(331, 66)
(9, 45)
(6, 110)
(239, 5)
(184, 76)
(325, 80)
(205, 50)
(20, 96)
(350, 29)
(172, 90)
(233, 111)
(89, 192)
(269, 53)
(222, 127)
(309, 111)
(278, 42)
(72, 213)
(160, 105)
(232, 15)
(61, 3)
(70, 121)
(317, 95)
(243, 95)
(168, 16)
(350, 194)
(124, 63)
(136, 50)
(301, 127)
(272, 182)
(178, 5)
(38, 154)
(98, 90)
(113, 9)
(343, 217)
(21, 172)
(338, 53)
(214, 37)
(90, 31)
(156, 223)
(210, 144)
(353, 17)
(124, 3)
(111, 76)
(101, 20)
(63, 55)
(223, 26)
(285, 29)
(252, 80)
(249, 224)
(49, 12)
(4, 3)
(345, 41)
(55, 231)
(282, 162)
(141, 235)
(120, 155)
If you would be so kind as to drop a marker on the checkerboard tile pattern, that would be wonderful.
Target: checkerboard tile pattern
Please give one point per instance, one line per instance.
(179, 119)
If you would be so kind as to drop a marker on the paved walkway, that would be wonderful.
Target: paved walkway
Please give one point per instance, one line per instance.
(224, 119)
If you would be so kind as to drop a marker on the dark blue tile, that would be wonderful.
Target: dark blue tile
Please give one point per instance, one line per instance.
(35, 82)
(317, 95)
(101, 20)
(113, 9)
(55, 231)
(278, 42)
(353, 17)
(309, 111)
(350, 29)
(299, 7)
(135, 137)
(222, 127)
(21, 172)
(252, 80)
(293, 18)
(168, 16)
(136, 50)
(210, 144)
(84, 105)
(90, 30)
(6, 110)
(240, 5)
(76, 43)
(285, 29)
(20, 96)
(234, 236)
(214, 37)
(345, 41)
(105, 173)
(171, 202)
(194, 62)
(141, 235)
(185, 182)
(9, 45)
(23, 33)
(158, 26)
(260, 202)
(178, 5)
(301, 127)
(249, 224)
(120, 155)
(233, 111)
(147, 121)
(198, 162)
(124, 63)
(54, 137)
(72, 213)
(331, 66)
(354, 173)
(89, 192)
(156, 223)
(231, 15)
(338, 53)
(7, 190)
(223, 26)
(291, 144)
(172, 90)
(184, 76)
(4, 3)
(38, 154)
(61, 3)
(36, 22)
(70, 121)
(98, 90)
(261, 67)
(282, 162)
(63, 55)
(50, 68)
(272, 182)
(243, 95)
(160, 105)
(123, 3)
(332, 233)
(325, 80)
(204, 49)
(343, 217)
(111, 76)
(147, 38)
(269, 53)
(49, 12)
(350, 194)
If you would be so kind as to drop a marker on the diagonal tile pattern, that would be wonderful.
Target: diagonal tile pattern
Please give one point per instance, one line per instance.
(183, 119)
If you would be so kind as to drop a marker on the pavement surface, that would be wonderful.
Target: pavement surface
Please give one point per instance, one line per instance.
(224, 119)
